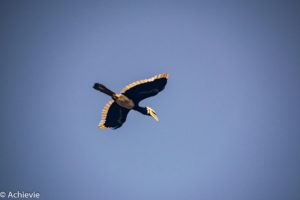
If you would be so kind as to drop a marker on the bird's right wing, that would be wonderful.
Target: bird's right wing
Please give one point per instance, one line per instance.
(113, 116)
(142, 89)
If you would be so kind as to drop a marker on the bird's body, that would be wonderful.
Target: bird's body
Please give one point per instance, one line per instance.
(124, 101)
(115, 112)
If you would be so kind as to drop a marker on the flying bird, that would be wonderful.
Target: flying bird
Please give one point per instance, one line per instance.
(115, 111)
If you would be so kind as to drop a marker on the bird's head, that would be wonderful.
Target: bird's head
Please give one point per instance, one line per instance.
(151, 113)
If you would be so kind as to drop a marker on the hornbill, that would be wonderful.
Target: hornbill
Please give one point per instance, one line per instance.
(115, 111)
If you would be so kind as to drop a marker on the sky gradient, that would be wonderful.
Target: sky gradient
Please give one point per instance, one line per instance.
(229, 116)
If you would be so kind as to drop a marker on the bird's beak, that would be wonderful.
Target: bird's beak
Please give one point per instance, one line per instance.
(153, 114)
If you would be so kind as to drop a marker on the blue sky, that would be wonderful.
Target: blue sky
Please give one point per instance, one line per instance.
(229, 115)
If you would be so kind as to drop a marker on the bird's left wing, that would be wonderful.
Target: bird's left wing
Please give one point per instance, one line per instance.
(113, 116)
(142, 89)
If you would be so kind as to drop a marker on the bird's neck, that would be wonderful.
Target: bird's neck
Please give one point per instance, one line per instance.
(140, 109)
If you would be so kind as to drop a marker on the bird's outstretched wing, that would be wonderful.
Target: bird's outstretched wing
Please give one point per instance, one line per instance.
(143, 89)
(113, 116)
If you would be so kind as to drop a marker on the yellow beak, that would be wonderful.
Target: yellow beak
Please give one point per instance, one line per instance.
(153, 114)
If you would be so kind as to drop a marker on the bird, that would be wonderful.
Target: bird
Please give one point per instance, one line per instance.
(115, 112)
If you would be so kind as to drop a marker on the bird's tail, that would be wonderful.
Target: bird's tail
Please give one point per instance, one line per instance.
(103, 89)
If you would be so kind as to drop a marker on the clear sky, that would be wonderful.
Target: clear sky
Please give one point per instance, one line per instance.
(229, 124)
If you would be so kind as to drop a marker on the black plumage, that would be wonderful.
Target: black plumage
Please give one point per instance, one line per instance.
(115, 112)
(145, 90)
(116, 116)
